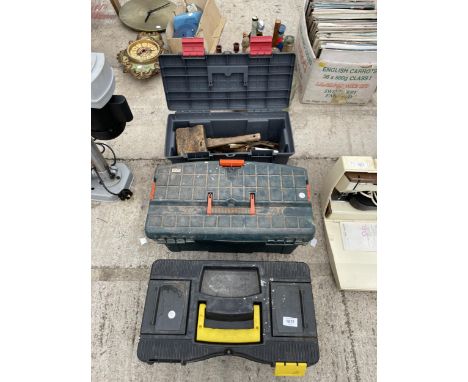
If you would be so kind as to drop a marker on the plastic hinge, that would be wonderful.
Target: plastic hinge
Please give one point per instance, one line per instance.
(170, 240)
(285, 242)
(198, 156)
(193, 47)
(290, 369)
(276, 242)
(260, 45)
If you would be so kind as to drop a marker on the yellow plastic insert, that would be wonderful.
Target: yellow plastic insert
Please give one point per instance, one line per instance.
(290, 369)
(228, 336)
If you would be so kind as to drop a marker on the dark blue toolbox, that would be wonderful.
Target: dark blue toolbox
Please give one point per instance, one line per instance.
(263, 311)
(257, 87)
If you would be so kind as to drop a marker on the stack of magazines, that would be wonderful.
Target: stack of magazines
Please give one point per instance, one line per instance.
(342, 25)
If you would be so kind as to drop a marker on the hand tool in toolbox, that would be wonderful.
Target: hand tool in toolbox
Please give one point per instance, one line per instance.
(262, 311)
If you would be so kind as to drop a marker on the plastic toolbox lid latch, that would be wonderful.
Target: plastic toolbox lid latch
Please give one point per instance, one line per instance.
(153, 190)
(193, 47)
(231, 162)
(290, 369)
(261, 45)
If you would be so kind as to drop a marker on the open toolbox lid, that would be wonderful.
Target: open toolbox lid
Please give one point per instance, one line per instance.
(256, 81)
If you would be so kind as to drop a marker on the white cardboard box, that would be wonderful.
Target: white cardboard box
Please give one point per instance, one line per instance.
(337, 77)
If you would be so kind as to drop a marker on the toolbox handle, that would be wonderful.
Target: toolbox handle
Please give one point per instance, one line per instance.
(232, 336)
(227, 71)
(210, 210)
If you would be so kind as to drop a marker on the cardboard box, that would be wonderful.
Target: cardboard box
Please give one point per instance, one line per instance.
(210, 27)
(337, 77)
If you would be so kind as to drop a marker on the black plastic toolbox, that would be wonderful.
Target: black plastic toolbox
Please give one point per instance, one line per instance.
(262, 311)
(230, 206)
(258, 88)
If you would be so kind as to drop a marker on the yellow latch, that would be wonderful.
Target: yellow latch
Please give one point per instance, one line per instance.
(231, 336)
(290, 369)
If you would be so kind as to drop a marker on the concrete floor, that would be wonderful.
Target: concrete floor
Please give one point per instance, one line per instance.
(346, 321)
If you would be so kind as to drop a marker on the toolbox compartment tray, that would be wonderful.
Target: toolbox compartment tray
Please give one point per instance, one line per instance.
(272, 126)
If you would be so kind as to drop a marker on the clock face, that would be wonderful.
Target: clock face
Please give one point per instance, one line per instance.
(143, 51)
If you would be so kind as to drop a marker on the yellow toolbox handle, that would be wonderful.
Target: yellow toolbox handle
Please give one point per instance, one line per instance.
(231, 336)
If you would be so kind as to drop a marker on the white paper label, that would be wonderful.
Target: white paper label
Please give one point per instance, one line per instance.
(348, 77)
(290, 321)
(359, 236)
(176, 170)
(359, 164)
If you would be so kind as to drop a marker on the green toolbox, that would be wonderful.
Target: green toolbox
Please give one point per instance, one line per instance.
(230, 205)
